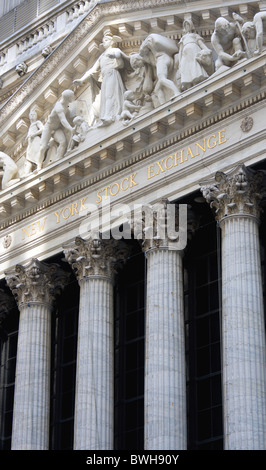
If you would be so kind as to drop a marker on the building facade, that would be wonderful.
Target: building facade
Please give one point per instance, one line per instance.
(132, 225)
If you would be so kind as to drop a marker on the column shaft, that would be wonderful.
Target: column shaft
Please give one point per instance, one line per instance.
(35, 287)
(94, 379)
(165, 381)
(244, 365)
(32, 388)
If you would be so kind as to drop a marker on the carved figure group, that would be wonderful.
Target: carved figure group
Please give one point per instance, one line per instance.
(58, 127)
(10, 173)
(123, 86)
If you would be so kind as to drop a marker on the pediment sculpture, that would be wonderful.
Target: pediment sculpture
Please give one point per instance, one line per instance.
(120, 87)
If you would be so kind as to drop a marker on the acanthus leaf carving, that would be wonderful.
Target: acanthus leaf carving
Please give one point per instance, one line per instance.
(95, 257)
(161, 225)
(36, 282)
(238, 192)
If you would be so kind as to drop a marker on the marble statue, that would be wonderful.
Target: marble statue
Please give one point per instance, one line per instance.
(141, 82)
(130, 107)
(248, 31)
(226, 42)
(252, 31)
(81, 129)
(193, 54)
(258, 21)
(144, 74)
(160, 51)
(10, 171)
(57, 127)
(34, 141)
(107, 70)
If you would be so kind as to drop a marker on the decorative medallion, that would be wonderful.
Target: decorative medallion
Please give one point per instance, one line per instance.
(247, 124)
(7, 241)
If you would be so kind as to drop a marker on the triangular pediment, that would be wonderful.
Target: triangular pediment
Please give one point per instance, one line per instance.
(155, 117)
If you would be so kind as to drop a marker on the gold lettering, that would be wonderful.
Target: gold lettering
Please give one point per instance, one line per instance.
(180, 157)
(200, 146)
(208, 142)
(33, 230)
(99, 197)
(151, 171)
(74, 208)
(41, 225)
(165, 163)
(160, 167)
(189, 152)
(24, 231)
(132, 182)
(58, 215)
(106, 191)
(222, 137)
(67, 208)
(122, 187)
(115, 184)
(82, 207)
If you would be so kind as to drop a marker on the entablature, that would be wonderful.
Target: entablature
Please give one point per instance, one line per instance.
(105, 154)
(109, 150)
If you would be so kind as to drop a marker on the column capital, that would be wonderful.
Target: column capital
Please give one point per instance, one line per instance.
(95, 257)
(237, 193)
(162, 226)
(36, 282)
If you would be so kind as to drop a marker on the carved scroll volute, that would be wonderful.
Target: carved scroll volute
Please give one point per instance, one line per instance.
(36, 282)
(238, 192)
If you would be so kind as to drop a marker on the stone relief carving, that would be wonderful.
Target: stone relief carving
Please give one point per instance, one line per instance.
(124, 86)
(247, 124)
(7, 241)
(227, 44)
(252, 31)
(81, 129)
(194, 52)
(57, 128)
(21, 69)
(95, 257)
(131, 107)
(160, 53)
(10, 171)
(236, 192)
(36, 282)
(46, 51)
(106, 71)
(34, 141)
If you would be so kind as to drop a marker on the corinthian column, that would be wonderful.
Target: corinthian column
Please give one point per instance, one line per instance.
(34, 287)
(165, 376)
(236, 196)
(93, 262)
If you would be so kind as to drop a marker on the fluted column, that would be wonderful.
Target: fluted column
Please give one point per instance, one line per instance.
(34, 287)
(165, 376)
(236, 199)
(93, 263)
